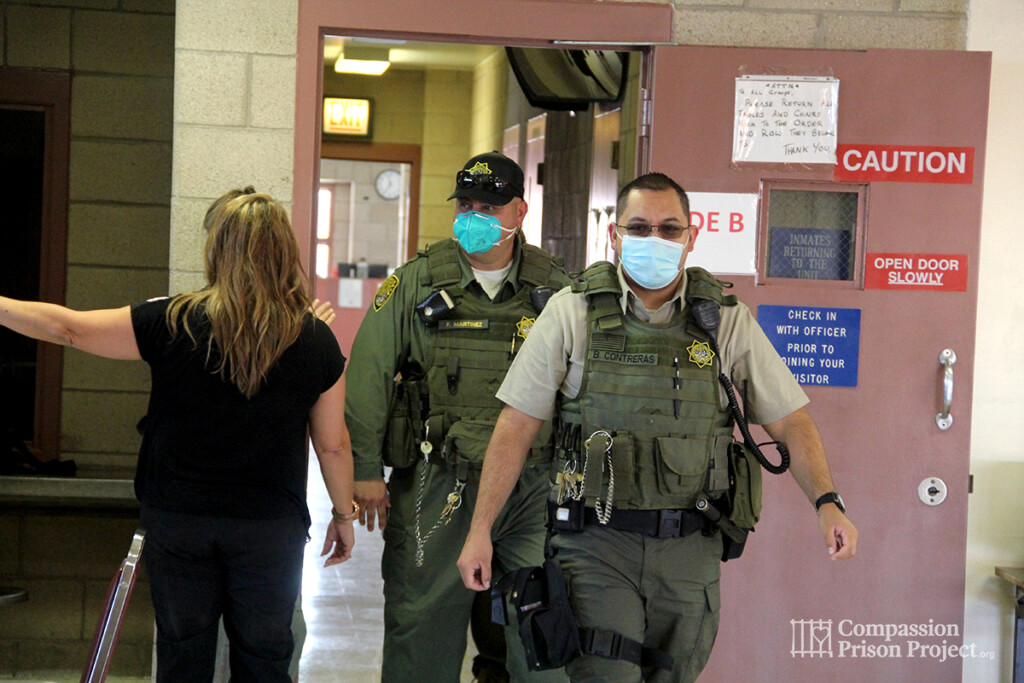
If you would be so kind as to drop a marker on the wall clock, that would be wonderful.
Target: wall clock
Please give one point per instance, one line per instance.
(389, 184)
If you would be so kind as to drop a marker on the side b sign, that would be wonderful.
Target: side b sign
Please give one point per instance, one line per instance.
(726, 225)
(943, 272)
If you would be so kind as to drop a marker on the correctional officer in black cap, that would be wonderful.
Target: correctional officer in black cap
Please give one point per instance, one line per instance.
(426, 362)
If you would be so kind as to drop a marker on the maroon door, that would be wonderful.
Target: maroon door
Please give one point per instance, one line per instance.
(895, 612)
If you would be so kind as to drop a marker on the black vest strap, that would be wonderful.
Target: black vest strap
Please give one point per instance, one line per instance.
(612, 645)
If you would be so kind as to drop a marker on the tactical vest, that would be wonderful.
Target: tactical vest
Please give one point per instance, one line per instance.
(472, 349)
(654, 389)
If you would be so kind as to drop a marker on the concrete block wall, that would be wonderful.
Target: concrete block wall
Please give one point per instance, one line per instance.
(234, 114)
(65, 560)
(490, 85)
(376, 239)
(828, 24)
(120, 55)
(447, 107)
(397, 97)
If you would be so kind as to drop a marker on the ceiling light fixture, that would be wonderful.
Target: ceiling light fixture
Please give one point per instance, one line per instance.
(368, 61)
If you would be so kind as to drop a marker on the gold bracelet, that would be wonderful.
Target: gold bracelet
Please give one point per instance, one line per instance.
(338, 517)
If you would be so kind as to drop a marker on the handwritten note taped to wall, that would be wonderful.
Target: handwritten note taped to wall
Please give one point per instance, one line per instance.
(785, 119)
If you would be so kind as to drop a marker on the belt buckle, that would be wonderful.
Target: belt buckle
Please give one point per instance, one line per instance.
(670, 523)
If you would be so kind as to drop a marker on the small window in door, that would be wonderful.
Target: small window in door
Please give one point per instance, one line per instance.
(812, 232)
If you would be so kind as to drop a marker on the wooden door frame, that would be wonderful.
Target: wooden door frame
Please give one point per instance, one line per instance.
(49, 92)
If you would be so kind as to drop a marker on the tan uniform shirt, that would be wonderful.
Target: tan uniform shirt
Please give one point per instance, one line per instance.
(551, 360)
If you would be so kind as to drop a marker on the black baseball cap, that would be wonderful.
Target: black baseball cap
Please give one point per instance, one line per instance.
(491, 178)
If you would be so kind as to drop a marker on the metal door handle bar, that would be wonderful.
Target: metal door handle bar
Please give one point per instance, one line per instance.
(944, 419)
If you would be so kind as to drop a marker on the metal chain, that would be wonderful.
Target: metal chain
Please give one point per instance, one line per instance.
(604, 512)
(453, 502)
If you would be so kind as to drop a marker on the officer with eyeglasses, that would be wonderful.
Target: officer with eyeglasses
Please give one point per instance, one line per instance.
(621, 363)
(426, 362)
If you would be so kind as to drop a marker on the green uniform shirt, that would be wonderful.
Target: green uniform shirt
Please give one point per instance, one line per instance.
(391, 337)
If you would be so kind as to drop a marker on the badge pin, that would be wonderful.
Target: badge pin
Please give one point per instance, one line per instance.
(701, 354)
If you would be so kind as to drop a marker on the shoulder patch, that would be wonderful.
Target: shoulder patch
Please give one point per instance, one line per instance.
(384, 292)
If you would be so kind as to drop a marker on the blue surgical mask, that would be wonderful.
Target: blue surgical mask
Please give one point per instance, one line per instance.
(477, 232)
(651, 261)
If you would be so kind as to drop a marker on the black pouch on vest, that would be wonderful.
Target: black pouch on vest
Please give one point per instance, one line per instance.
(566, 517)
(546, 623)
(733, 549)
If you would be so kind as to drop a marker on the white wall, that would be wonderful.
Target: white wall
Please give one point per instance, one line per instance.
(995, 532)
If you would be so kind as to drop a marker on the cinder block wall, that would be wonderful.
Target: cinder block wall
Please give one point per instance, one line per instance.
(490, 102)
(120, 55)
(234, 114)
(66, 559)
(828, 24)
(447, 110)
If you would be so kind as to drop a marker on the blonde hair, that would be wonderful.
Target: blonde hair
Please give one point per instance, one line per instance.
(258, 290)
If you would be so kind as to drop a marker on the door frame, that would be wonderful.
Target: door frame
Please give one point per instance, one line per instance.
(49, 92)
(387, 152)
(541, 23)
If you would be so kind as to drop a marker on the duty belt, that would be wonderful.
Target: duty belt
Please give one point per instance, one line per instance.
(656, 523)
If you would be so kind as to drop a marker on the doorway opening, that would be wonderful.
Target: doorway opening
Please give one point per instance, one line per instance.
(455, 100)
(34, 158)
(22, 146)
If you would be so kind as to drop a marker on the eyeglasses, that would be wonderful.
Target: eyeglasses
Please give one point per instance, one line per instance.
(668, 231)
(491, 183)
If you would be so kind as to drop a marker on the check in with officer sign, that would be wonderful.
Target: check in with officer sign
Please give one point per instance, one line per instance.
(819, 345)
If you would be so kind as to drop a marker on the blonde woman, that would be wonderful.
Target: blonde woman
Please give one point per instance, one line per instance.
(240, 370)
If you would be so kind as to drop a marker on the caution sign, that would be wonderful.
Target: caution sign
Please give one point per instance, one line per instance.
(905, 164)
(821, 346)
(942, 272)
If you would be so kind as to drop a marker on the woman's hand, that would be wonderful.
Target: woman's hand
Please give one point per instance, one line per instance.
(323, 310)
(338, 542)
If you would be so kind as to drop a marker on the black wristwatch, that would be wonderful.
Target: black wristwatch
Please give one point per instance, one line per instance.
(831, 497)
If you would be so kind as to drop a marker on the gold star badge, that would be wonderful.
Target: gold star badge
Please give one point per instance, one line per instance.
(481, 167)
(701, 354)
(524, 326)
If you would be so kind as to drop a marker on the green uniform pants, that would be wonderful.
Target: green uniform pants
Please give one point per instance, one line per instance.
(427, 608)
(662, 592)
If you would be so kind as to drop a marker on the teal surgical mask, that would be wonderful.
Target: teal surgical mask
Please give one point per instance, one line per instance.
(477, 232)
(651, 262)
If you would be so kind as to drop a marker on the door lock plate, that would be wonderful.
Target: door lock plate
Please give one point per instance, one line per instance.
(932, 491)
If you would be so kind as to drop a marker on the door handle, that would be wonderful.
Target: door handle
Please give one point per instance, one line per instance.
(945, 419)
